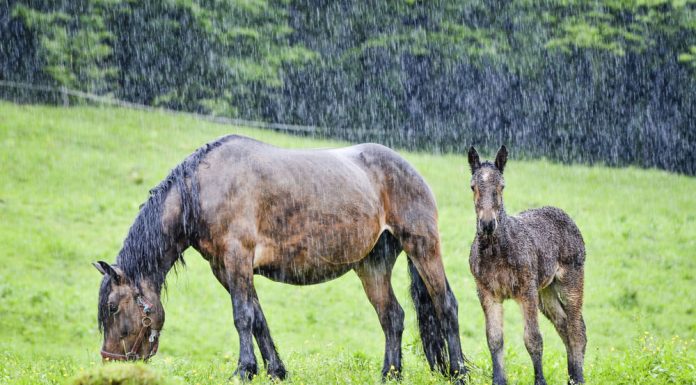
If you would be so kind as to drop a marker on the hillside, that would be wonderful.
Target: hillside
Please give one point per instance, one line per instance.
(72, 181)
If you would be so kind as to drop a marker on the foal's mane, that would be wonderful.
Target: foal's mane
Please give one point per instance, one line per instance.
(488, 164)
(143, 251)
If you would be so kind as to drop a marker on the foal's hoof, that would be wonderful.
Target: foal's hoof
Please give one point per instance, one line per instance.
(246, 371)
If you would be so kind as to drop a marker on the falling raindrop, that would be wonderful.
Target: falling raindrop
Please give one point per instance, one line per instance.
(575, 82)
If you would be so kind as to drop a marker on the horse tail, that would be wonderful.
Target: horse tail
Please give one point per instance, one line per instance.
(431, 331)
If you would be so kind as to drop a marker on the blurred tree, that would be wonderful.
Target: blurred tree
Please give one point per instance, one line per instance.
(574, 80)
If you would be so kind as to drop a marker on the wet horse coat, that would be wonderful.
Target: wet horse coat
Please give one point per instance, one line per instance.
(302, 229)
(294, 216)
(536, 258)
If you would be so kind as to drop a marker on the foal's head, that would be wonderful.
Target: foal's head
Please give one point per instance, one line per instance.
(487, 184)
(130, 316)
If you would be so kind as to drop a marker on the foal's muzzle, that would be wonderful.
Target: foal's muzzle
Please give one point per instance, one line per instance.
(488, 226)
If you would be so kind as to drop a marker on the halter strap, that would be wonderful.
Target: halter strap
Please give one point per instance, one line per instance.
(146, 322)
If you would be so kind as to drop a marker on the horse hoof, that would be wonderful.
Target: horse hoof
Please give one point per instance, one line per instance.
(246, 371)
(277, 372)
(391, 374)
(459, 377)
(459, 380)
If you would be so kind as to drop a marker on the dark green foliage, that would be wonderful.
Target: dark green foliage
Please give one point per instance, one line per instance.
(574, 80)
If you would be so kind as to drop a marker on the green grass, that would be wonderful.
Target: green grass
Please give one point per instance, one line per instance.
(71, 181)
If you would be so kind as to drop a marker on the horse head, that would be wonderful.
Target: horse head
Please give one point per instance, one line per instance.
(130, 316)
(487, 184)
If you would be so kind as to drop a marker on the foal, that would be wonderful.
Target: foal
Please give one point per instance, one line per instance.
(535, 258)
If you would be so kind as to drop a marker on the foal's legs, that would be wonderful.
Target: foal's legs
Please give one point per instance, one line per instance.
(532, 336)
(551, 306)
(375, 273)
(571, 292)
(556, 307)
(493, 311)
(424, 252)
(239, 276)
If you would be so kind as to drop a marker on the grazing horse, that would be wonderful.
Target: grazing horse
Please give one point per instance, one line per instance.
(535, 258)
(295, 216)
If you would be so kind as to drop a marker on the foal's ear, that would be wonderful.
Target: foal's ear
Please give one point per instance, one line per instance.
(474, 161)
(501, 158)
(115, 273)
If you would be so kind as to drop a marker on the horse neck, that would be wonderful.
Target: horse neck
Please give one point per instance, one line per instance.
(153, 245)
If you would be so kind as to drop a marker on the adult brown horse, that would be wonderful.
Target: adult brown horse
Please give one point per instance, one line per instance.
(295, 216)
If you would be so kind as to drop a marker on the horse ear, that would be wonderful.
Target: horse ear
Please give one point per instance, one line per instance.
(98, 266)
(501, 158)
(115, 273)
(474, 161)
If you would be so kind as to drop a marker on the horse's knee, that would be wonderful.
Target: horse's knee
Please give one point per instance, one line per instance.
(397, 318)
(392, 318)
(243, 315)
(494, 337)
(577, 335)
(533, 340)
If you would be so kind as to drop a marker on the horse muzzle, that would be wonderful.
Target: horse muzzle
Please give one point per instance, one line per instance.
(488, 227)
(133, 355)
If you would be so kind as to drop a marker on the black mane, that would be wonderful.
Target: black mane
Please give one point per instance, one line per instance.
(143, 251)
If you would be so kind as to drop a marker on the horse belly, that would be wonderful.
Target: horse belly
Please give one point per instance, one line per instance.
(314, 254)
(297, 268)
(302, 275)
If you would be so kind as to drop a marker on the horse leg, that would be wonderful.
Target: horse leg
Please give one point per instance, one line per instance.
(551, 306)
(493, 312)
(532, 336)
(424, 252)
(239, 276)
(571, 293)
(269, 354)
(375, 274)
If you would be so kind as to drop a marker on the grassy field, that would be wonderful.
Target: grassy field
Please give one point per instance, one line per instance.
(72, 181)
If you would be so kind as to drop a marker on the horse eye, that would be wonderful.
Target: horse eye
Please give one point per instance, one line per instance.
(472, 187)
(113, 308)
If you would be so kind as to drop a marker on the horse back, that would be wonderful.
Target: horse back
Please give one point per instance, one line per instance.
(554, 235)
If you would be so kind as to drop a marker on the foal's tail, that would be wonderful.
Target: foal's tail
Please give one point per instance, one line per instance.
(431, 331)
